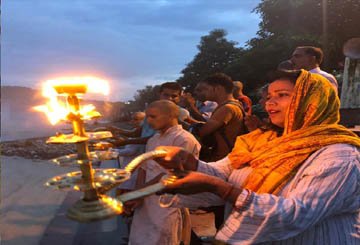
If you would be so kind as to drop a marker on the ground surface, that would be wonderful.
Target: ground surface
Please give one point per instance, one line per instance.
(34, 214)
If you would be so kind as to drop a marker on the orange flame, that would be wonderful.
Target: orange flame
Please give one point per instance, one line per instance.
(113, 203)
(57, 110)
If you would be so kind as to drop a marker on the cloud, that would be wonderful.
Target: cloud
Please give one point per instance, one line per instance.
(131, 42)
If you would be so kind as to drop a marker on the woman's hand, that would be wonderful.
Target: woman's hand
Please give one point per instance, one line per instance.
(196, 182)
(177, 158)
(192, 183)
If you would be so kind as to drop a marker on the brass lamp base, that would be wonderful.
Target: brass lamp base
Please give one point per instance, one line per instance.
(88, 211)
(107, 207)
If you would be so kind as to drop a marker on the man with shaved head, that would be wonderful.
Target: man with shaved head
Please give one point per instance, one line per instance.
(162, 114)
(168, 91)
(151, 223)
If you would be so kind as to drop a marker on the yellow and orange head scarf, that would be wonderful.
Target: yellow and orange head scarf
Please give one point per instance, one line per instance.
(311, 123)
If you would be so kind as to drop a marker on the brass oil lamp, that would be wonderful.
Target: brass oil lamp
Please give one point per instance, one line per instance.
(94, 183)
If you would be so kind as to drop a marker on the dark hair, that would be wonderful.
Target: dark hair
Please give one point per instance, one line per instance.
(220, 79)
(290, 75)
(313, 51)
(285, 65)
(262, 89)
(171, 85)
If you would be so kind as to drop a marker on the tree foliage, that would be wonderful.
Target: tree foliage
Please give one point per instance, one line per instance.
(285, 24)
(143, 97)
(215, 54)
(263, 55)
(325, 23)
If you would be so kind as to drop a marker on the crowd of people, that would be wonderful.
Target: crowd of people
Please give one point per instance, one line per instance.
(280, 171)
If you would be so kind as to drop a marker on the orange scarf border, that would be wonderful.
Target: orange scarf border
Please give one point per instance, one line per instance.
(276, 159)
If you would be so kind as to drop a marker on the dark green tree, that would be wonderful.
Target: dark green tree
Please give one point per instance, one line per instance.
(263, 55)
(216, 53)
(325, 23)
(143, 97)
(287, 24)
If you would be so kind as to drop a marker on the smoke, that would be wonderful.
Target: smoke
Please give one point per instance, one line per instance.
(18, 119)
(17, 123)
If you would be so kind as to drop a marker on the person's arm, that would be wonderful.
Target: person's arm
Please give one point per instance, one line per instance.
(196, 182)
(327, 187)
(209, 127)
(178, 158)
(195, 113)
(181, 159)
(133, 141)
(128, 150)
(188, 102)
(220, 117)
(190, 120)
(135, 132)
(184, 124)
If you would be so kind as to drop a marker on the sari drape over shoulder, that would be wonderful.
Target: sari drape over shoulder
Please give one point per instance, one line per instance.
(311, 123)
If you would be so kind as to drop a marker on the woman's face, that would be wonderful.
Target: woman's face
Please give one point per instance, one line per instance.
(278, 100)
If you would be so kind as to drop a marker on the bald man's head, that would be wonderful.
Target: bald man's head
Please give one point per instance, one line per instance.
(139, 115)
(162, 114)
(166, 107)
(137, 118)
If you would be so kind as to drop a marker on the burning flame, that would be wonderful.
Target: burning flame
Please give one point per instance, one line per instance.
(113, 203)
(57, 110)
(92, 84)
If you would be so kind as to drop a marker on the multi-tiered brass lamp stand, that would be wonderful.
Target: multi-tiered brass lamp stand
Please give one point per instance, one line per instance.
(94, 183)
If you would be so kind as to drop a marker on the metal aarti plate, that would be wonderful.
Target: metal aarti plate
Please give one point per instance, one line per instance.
(71, 138)
(95, 157)
(102, 179)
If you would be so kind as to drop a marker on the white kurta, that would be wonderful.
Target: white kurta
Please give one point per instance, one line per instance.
(153, 225)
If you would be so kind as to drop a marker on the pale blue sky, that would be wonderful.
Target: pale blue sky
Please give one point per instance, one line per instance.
(130, 43)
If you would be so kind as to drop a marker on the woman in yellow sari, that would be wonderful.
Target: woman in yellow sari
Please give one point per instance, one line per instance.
(295, 182)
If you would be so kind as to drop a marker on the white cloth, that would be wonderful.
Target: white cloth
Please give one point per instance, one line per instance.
(206, 108)
(127, 154)
(153, 225)
(183, 114)
(328, 76)
(320, 205)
